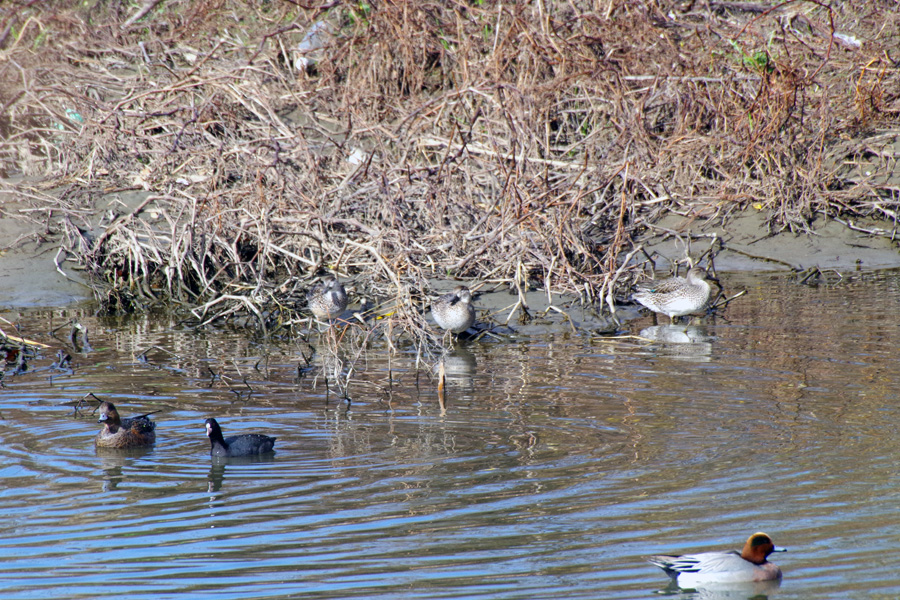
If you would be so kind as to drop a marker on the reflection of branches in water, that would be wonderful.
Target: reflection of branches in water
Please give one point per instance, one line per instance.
(331, 365)
(336, 342)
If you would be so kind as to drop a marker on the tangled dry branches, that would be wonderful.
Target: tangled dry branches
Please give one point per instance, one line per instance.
(523, 144)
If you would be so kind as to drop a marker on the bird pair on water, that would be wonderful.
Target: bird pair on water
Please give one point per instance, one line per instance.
(140, 431)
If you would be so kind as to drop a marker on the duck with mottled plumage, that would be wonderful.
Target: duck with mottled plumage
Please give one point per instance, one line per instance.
(132, 432)
(749, 565)
(327, 299)
(677, 296)
(454, 311)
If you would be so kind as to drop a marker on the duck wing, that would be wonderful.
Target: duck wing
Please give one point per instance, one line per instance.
(706, 562)
(665, 286)
(139, 423)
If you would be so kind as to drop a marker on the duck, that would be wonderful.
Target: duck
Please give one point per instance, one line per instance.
(749, 565)
(677, 296)
(132, 432)
(454, 311)
(249, 444)
(327, 299)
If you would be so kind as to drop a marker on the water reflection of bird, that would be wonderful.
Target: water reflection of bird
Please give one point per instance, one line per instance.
(459, 367)
(680, 342)
(454, 311)
(327, 299)
(749, 590)
(750, 565)
(676, 296)
(674, 334)
(131, 432)
(249, 444)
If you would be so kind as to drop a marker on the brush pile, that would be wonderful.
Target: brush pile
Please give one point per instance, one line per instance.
(217, 154)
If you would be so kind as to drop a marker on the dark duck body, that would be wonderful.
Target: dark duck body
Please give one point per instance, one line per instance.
(249, 444)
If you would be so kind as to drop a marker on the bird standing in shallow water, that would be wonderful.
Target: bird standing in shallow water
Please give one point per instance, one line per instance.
(691, 570)
(676, 296)
(132, 432)
(454, 311)
(249, 444)
(327, 299)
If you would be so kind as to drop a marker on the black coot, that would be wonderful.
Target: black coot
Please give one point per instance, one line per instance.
(250, 444)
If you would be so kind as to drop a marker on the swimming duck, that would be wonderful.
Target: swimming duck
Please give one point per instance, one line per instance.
(454, 311)
(133, 432)
(677, 296)
(249, 444)
(692, 570)
(327, 299)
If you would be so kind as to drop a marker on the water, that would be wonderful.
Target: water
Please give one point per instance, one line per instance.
(560, 462)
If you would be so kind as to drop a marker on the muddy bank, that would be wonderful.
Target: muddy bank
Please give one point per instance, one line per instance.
(29, 257)
(747, 245)
(34, 272)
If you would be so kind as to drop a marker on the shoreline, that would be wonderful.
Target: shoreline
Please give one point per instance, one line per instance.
(30, 278)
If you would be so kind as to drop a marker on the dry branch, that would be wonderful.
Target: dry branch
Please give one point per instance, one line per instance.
(425, 140)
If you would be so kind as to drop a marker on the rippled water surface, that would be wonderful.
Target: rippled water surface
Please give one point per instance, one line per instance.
(560, 461)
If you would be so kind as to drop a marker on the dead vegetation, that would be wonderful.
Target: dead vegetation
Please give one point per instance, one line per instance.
(528, 145)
